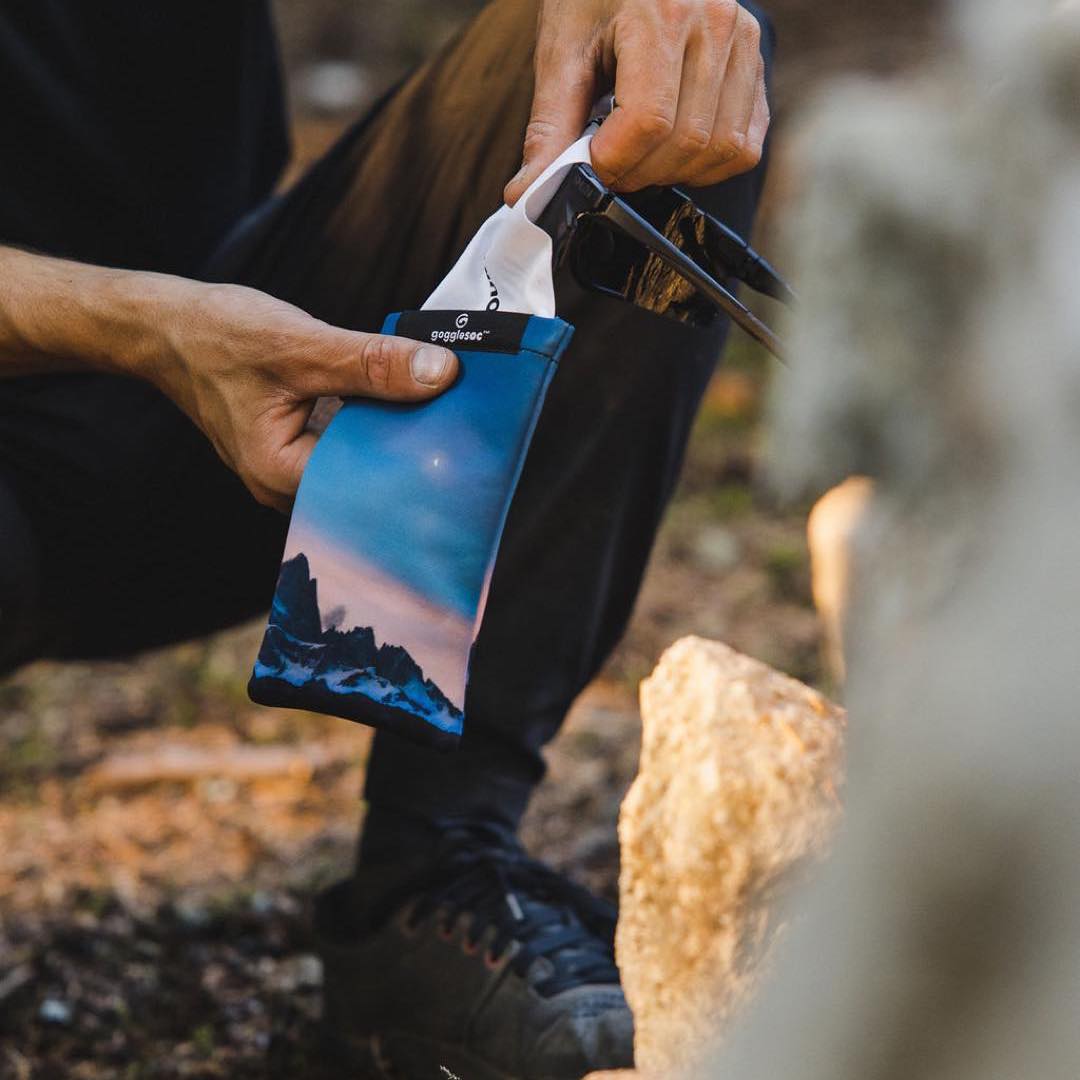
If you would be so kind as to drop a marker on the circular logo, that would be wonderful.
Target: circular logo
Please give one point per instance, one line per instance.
(462, 321)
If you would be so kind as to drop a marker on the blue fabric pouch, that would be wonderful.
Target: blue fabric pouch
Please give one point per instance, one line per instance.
(395, 531)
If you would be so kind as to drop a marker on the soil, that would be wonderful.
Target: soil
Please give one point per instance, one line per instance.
(160, 836)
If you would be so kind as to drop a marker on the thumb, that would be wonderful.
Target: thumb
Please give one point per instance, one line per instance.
(561, 104)
(354, 364)
(346, 363)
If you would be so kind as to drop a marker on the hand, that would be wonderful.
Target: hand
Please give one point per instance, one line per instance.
(245, 367)
(248, 368)
(689, 83)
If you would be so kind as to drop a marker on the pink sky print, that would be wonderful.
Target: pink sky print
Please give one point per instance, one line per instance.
(435, 637)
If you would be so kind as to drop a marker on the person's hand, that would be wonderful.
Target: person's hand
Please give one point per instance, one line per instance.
(248, 368)
(689, 83)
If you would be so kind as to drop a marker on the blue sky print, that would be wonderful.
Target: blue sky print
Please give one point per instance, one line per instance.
(395, 530)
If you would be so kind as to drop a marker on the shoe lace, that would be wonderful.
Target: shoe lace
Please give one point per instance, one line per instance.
(522, 903)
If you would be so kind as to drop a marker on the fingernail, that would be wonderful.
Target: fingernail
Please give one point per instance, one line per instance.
(428, 365)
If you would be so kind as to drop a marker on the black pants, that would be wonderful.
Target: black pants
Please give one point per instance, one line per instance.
(120, 529)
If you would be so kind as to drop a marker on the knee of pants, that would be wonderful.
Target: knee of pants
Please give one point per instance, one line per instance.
(19, 591)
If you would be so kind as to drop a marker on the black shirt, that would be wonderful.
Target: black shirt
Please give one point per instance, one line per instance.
(134, 132)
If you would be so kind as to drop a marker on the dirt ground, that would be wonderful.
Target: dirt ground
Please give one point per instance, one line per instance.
(160, 836)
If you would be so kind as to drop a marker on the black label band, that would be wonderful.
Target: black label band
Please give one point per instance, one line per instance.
(466, 331)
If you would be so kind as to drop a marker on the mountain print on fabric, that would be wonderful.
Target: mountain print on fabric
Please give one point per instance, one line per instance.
(297, 653)
(398, 519)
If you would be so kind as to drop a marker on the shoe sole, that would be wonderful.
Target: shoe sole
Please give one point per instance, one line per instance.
(401, 1056)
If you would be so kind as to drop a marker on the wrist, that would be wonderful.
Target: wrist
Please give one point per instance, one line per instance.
(135, 317)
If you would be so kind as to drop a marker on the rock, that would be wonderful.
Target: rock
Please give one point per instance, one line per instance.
(830, 532)
(191, 913)
(295, 973)
(717, 548)
(737, 786)
(55, 1011)
(334, 86)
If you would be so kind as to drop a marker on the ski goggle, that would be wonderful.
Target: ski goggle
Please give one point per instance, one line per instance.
(660, 252)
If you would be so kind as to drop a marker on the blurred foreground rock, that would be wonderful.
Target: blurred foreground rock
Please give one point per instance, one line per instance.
(737, 787)
(938, 350)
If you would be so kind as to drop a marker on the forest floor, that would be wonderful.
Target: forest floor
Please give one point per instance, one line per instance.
(161, 837)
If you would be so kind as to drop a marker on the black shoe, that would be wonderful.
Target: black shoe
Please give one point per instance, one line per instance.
(486, 965)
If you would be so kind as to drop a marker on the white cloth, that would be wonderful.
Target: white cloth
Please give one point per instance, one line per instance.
(507, 265)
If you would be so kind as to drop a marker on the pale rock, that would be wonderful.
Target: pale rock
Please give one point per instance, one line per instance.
(737, 787)
(831, 530)
(717, 548)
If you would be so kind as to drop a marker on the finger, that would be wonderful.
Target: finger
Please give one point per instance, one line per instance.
(680, 155)
(752, 150)
(760, 121)
(275, 500)
(289, 467)
(648, 71)
(736, 143)
(273, 453)
(275, 485)
(345, 363)
(562, 100)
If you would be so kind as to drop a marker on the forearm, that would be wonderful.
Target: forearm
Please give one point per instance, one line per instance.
(57, 315)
